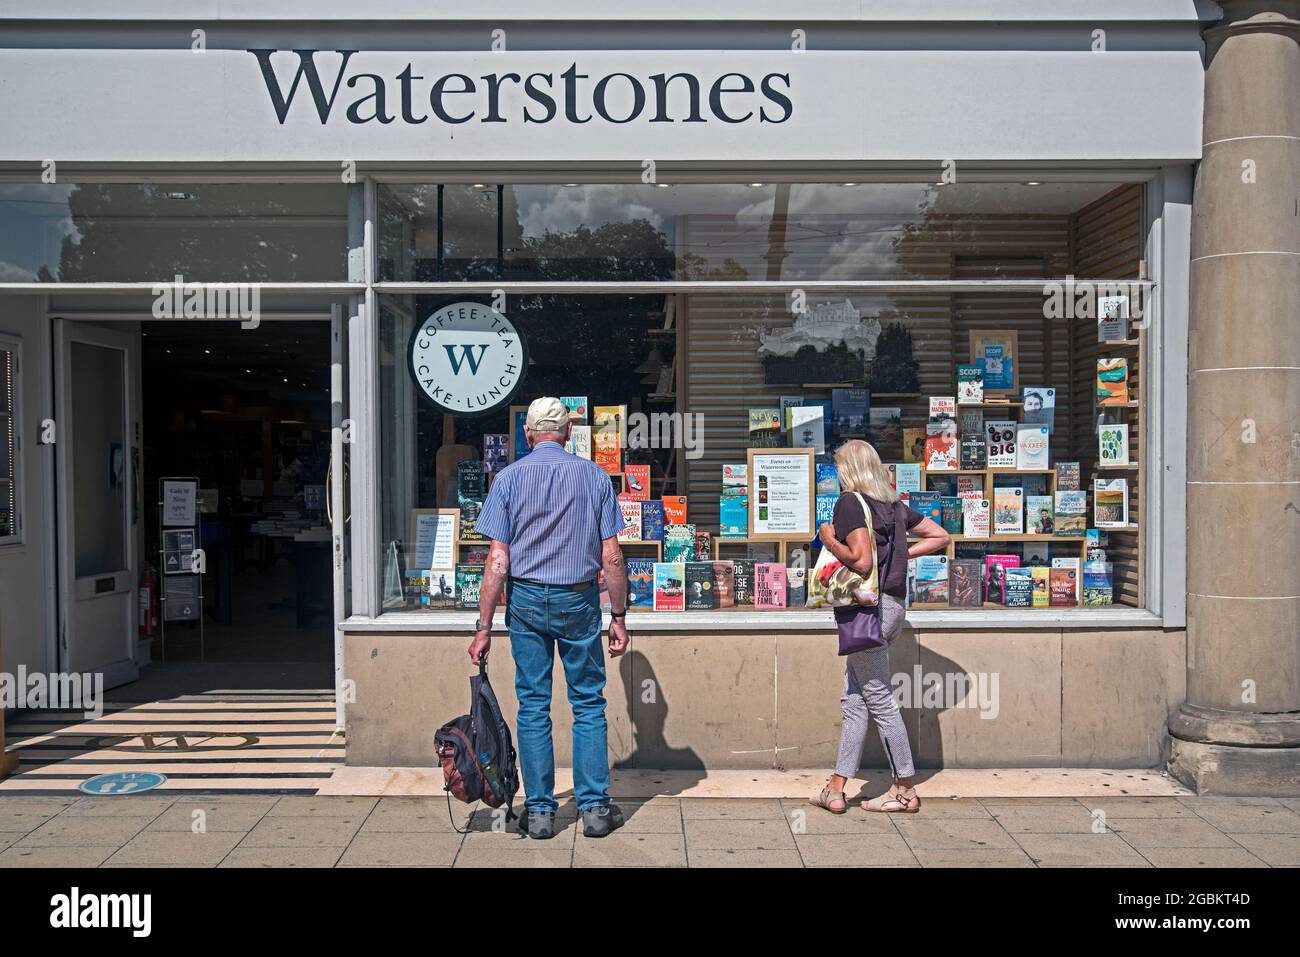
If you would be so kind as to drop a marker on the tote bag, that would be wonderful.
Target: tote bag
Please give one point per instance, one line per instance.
(833, 583)
(861, 628)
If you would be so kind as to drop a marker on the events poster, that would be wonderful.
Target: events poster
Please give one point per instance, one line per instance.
(781, 494)
(433, 538)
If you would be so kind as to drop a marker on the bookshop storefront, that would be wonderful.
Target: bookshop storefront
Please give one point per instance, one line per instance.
(726, 263)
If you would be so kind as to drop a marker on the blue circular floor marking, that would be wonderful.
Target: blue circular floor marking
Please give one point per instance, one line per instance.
(122, 782)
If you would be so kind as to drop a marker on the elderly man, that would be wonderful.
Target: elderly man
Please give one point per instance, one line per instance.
(554, 523)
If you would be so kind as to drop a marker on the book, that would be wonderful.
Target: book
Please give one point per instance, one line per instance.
(1008, 511)
(970, 383)
(885, 430)
(724, 584)
(1000, 443)
(1112, 381)
(1070, 516)
(765, 430)
(1110, 503)
(733, 516)
(909, 598)
(943, 484)
(640, 582)
(521, 437)
(849, 412)
(679, 543)
(742, 574)
(1112, 318)
(1071, 564)
(652, 520)
(577, 406)
(1019, 588)
(951, 509)
(470, 480)
(943, 407)
(1032, 447)
(996, 568)
(929, 504)
(824, 509)
(975, 518)
(788, 402)
(674, 509)
(699, 586)
(637, 480)
(669, 586)
(828, 479)
(796, 585)
(970, 421)
(914, 445)
(1098, 583)
(607, 425)
(496, 452)
(1040, 514)
(631, 509)
(1112, 444)
(974, 452)
(1094, 545)
(1040, 575)
(579, 442)
(932, 579)
(1068, 476)
(735, 478)
(805, 428)
(941, 452)
(1062, 587)
(703, 546)
(907, 478)
(769, 585)
(473, 555)
(999, 368)
(469, 509)
(1039, 407)
(469, 582)
(966, 583)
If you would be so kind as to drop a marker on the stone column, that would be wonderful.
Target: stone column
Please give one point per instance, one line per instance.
(1239, 730)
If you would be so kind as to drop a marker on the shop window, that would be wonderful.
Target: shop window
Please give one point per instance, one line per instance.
(744, 377)
(143, 232)
(10, 443)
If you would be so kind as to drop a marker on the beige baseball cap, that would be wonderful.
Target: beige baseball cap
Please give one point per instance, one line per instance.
(547, 414)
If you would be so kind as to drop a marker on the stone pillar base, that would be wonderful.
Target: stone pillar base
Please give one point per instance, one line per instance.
(1235, 753)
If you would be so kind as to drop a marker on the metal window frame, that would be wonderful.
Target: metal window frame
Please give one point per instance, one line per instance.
(13, 345)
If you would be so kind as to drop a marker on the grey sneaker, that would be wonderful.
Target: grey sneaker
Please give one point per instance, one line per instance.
(539, 825)
(600, 821)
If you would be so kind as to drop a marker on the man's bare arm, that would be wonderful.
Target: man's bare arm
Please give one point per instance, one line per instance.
(611, 559)
(495, 574)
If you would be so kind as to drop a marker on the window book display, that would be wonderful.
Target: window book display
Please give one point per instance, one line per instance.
(1008, 511)
(1040, 575)
(975, 518)
(640, 582)
(1112, 381)
(849, 412)
(1110, 503)
(699, 586)
(907, 478)
(941, 452)
(1000, 443)
(637, 480)
(674, 509)
(1112, 444)
(470, 493)
(1112, 318)
(631, 509)
(496, 452)
(796, 585)
(913, 445)
(703, 546)
(652, 520)
(733, 515)
(995, 576)
(742, 575)
(679, 543)
(1038, 407)
(770, 584)
(1031, 447)
(974, 452)
(669, 586)
(724, 584)
(1098, 583)
(966, 583)
(765, 430)
(1068, 477)
(469, 579)
(577, 406)
(579, 442)
(1063, 587)
(932, 579)
(1071, 513)
(929, 504)
(951, 509)
(805, 427)
(1040, 514)
(607, 423)
(1019, 588)
(970, 383)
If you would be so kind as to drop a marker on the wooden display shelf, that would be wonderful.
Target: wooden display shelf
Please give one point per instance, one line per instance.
(1019, 537)
(656, 547)
(1117, 468)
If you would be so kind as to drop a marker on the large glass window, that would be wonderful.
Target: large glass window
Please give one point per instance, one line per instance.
(1009, 416)
(142, 232)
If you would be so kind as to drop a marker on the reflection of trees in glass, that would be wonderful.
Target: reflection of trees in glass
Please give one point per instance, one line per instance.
(633, 251)
(894, 369)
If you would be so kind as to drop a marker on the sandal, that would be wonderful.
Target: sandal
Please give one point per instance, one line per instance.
(894, 802)
(832, 801)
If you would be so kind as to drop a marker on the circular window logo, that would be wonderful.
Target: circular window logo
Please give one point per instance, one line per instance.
(467, 358)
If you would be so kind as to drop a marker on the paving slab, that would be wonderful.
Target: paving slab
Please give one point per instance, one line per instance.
(842, 850)
(1137, 807)
(292, 857)
(394, 849)
(1046, 819)
(532, 854)
(972, 857)
(952, 834)
(1249, 818)
(1080, 850)
(694, 809)
(659, 818)
(202, 816)
(416, 814)
(626, 848)
(298, 805)
(122, 805)
(1144, 832)
(806, 819)
(11, 837)
(176, 847)
(738, 834)
(709, 857)
(1275, 850)
(91, 831)
(1201, 857)
(321, 831)
(81, 855)
(263, 802)
(28, 816)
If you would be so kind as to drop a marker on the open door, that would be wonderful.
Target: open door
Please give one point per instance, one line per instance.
(94, 379)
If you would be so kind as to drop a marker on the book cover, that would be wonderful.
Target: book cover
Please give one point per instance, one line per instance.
(950, 507)
(909, 598)
(631, 509)
(974, 453)
(849, 412)
(975, 518)
(1008, 511)
(1040, 514)
(1112, 444)
(637, 479)
(699, 586)
(1040, 575)
(579, 442)
(907, 477)
(825, 509)
(1112, 318)
(941, 453)
(473, 554)
(1068, 477)
(521, 438)
(470, 480)
(1112, 381)
(703, 546)
(742, 571)
(1032, 448)
(496, 452)
(999, 368)
(1072, 564)
(469, 509)
(796, 585)
(970, 486)
(674, 509)
(735, 478)
(1000, 443)
(966, 583)
(806, 428)
(679, 543)
(943, 484)
(769, 585)
(733, 516)
(652, 520)
(724, 584)
(929, 504)
(1095, 542)
(1110, 503)
(1034, 484)
(788, 402)
(765, 430)
(970, 421)
(469, 581)
(577, 406)
(970, 383)
(1098, 584)
(828, 479)
(640, 582)
(932, 579)
(914, 445)
(885, 430)
(1071, 513)
(1019, 588)
(943, 407)
(669, 586)
(1039, 407)
(995, 576)
(607, 424)
(1062, 587)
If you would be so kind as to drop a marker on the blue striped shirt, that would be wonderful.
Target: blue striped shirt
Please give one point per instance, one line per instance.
(553, 509)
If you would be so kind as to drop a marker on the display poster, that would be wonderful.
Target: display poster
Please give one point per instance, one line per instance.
(433, 538)
(179, 498)
(781, 494)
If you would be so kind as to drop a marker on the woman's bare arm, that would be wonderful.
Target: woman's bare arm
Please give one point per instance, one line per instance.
(930, 538)
(856, 554)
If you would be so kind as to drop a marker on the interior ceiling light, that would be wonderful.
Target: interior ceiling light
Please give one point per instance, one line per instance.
(1033, 183)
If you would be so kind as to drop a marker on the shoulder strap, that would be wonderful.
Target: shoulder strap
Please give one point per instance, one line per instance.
(871, 535)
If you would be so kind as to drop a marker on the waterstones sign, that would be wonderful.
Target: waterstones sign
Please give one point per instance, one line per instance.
(467, 358)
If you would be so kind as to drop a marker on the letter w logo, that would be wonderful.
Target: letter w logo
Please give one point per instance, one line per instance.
(466, 357)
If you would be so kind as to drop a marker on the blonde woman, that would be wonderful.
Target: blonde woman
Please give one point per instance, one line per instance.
(867, 690)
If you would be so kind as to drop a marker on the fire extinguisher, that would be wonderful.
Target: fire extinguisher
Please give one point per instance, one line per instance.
(148, 597)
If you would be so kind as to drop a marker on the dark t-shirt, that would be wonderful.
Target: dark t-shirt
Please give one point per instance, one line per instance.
(848, 517)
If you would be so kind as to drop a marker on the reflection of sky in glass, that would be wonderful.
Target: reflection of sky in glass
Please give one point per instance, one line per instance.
(35, 221)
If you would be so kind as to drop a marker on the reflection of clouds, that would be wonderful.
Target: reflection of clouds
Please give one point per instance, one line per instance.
(12, 272)
(34, 220)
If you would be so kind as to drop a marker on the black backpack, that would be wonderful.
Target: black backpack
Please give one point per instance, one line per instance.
(477, 752)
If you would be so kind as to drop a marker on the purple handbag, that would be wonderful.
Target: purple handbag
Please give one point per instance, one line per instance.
(861, 628)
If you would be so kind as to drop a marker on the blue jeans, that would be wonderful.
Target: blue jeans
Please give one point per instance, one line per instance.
(539, 618)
